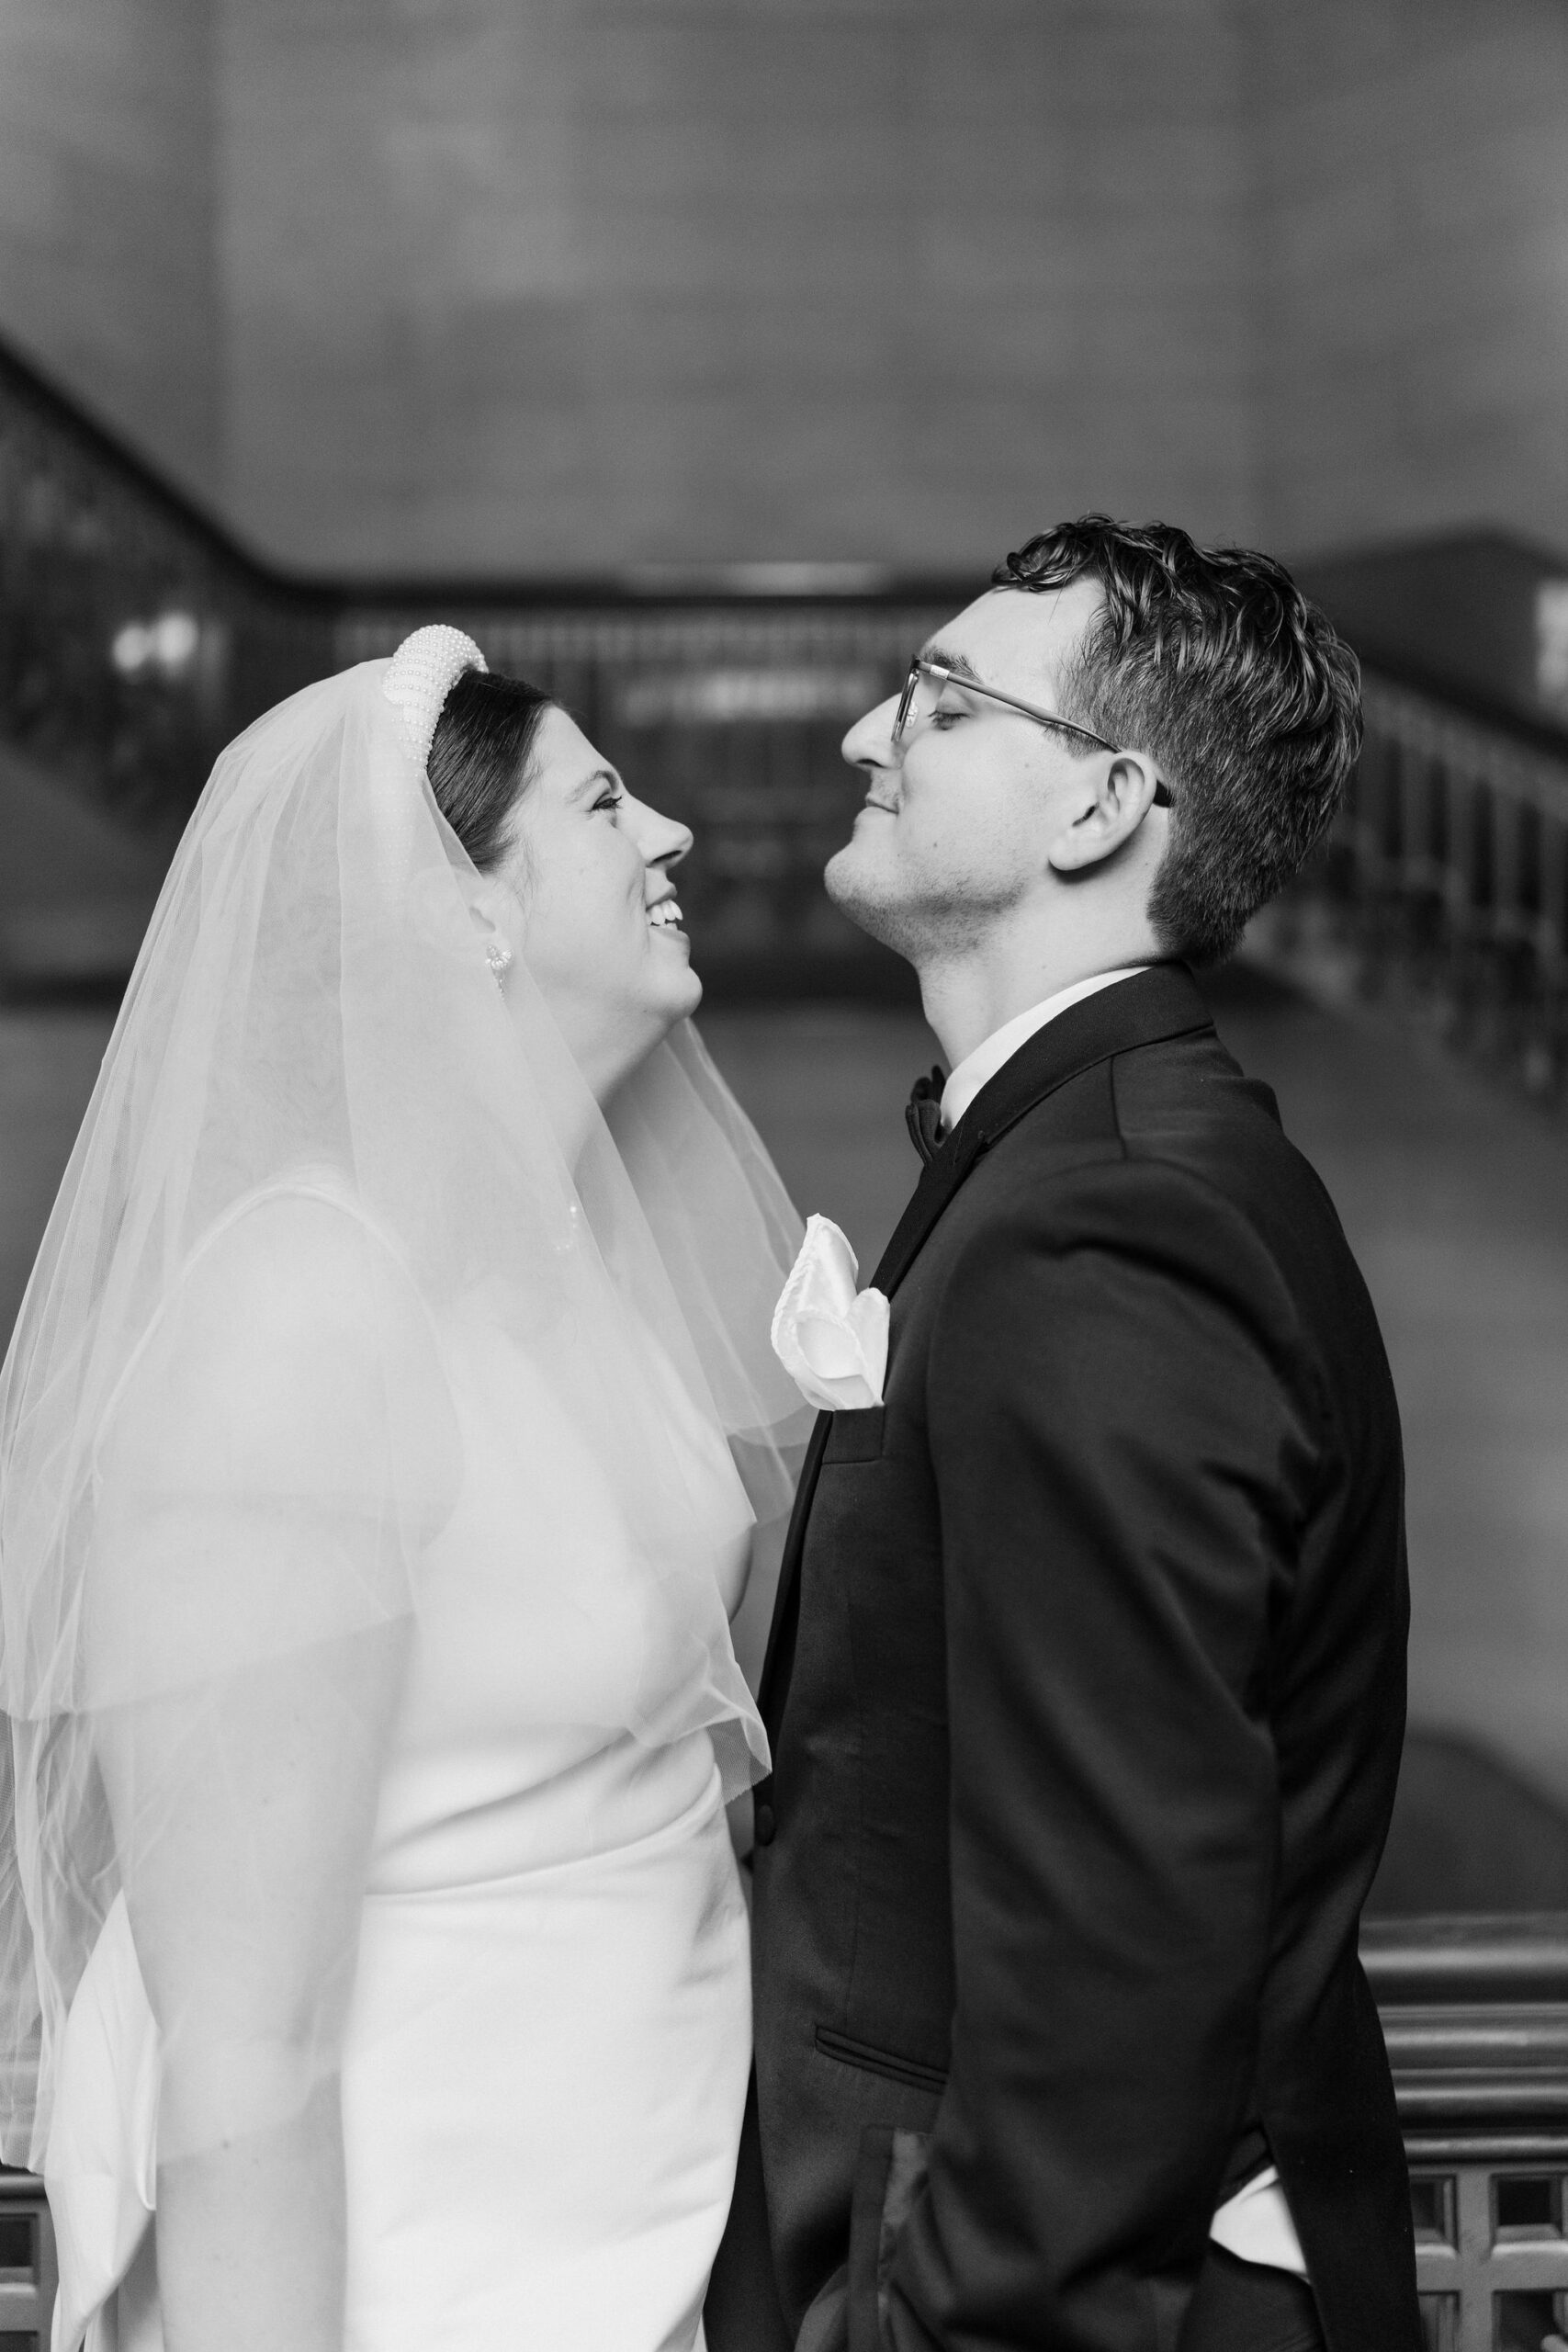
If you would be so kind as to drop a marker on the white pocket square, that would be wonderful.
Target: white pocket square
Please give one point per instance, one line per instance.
(831, 1338)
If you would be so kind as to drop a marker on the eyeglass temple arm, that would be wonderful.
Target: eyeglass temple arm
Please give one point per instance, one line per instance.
(954, 678)
(995, 694)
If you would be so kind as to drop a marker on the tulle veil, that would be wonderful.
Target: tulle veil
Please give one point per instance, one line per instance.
(313, 1032)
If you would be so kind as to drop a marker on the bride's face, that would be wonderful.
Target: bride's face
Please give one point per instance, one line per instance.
(602, 931)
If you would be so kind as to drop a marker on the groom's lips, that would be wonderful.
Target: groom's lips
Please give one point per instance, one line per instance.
(886, 807)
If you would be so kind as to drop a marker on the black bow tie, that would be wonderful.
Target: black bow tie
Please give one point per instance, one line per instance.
(923, 1113)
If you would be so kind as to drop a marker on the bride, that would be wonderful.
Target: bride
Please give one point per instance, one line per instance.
(380, 1442)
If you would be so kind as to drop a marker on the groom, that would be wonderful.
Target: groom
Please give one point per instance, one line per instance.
(1086, 1685)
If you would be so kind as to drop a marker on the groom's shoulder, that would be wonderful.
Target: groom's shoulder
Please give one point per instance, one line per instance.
(1167, 1139)
(1185, 1101)
(1178, 1103)
(1188, 1106)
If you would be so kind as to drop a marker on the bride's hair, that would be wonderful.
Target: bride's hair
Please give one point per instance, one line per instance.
(479, 758)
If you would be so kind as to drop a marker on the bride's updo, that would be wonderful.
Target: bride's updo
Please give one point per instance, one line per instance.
(479, 758)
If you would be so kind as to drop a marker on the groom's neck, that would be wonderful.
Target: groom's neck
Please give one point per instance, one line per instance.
(970, 990)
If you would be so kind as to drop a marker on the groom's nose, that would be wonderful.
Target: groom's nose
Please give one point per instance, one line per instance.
(869, 743)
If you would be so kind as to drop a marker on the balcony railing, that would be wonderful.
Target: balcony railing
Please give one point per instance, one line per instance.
(1475, 2012)
(135, 637)
(27, 2272)
(1444, 891)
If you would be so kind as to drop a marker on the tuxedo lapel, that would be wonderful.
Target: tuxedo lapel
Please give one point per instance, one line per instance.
(790, 1564)
(944, 1174)
(1162, 1002)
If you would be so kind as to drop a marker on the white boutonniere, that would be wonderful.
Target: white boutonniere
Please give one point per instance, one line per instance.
(831, 1338)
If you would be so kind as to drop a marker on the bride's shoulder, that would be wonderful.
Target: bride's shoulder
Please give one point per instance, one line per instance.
(279, 1455)
(292, 1333)
(300, 1262)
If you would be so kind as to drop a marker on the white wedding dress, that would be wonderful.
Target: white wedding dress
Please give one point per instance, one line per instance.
(362, 1333)
(547, 2048)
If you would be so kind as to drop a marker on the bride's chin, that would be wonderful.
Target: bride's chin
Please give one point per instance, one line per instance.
(684, 993)
(672, 1005)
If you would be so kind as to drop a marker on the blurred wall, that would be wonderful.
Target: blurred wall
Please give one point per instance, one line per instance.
(605, 281)
(465, 284)
(108, 265)
(1413, 294)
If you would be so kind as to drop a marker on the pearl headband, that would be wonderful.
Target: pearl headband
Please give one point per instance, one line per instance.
(419, 676)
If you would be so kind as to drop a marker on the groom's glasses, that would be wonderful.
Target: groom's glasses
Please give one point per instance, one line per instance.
(923, 689)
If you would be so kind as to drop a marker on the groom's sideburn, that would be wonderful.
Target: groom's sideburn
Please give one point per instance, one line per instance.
(1086, 1692)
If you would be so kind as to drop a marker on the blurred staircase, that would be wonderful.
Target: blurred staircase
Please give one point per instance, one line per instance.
(1442, 897)
(137, 636)
(76, 887)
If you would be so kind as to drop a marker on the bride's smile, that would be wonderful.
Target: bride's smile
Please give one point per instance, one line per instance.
(590, 904)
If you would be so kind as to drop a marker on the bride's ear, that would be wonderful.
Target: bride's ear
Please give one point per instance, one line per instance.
(493, 914)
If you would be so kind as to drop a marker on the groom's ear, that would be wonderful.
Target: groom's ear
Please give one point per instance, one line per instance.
(1111, 812)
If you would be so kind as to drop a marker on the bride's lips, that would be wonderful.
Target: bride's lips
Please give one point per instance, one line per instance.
(870, 801)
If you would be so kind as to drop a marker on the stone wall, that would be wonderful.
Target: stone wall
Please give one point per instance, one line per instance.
(1413, 261)
(416, 285)
(107, 269)
(605, 282)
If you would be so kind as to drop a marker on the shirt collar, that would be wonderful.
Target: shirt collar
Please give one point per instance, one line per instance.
(977, 1070)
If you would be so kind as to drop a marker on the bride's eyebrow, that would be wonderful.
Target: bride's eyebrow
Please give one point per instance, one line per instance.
(596, 782)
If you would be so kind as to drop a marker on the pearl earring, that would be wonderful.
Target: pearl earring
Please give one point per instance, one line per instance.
(498, 958)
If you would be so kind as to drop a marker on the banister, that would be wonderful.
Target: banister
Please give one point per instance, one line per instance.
(1480, 1959)
(1475, 2012)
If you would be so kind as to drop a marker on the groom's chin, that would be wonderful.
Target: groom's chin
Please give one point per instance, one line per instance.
(854, 892)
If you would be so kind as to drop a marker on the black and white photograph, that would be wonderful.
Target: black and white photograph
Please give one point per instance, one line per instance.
(784, 1176)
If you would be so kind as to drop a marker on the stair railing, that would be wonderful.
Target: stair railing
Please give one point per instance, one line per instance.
(1475, 2014)
(1444, 889)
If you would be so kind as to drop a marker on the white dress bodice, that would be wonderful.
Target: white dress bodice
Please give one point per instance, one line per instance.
(546, 2058)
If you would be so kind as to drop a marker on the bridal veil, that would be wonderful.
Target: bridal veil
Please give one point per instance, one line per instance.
(322, 1139)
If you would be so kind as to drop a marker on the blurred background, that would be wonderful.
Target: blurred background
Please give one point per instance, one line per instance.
(697, 356)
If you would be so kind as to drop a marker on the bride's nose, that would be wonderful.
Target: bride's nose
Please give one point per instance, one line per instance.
(661, 839)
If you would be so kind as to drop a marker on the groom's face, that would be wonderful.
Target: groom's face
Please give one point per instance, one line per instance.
(961, 811)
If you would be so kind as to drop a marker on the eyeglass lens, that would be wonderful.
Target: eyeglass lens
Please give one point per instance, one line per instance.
(921, 694)
(905, 700)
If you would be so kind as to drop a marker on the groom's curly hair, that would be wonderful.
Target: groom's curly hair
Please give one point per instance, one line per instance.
(1212, 662)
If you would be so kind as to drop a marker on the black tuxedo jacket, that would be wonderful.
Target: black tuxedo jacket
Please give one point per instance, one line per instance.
(1087, 1691)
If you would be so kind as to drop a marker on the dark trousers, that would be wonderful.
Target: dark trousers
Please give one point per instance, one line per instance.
(1243, 2307)
(1237, 2306)
(743, 2312)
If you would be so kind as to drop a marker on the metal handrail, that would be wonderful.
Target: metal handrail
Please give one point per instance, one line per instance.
(1479, 823)
(1481, 2084)
(1443, 890)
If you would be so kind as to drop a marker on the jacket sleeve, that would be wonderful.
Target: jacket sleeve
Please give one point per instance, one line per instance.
(1124, 1446)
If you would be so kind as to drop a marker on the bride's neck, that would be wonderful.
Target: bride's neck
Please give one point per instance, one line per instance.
(585, 1101)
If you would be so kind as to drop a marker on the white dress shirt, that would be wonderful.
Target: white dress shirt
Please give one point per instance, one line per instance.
(976, 1068)
(1254, 2224)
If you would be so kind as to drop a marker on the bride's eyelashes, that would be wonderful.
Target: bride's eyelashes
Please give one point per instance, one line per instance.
(610, 799)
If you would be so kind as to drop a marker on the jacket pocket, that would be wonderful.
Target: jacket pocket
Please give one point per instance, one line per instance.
(855, 1436)
(911, 2072)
